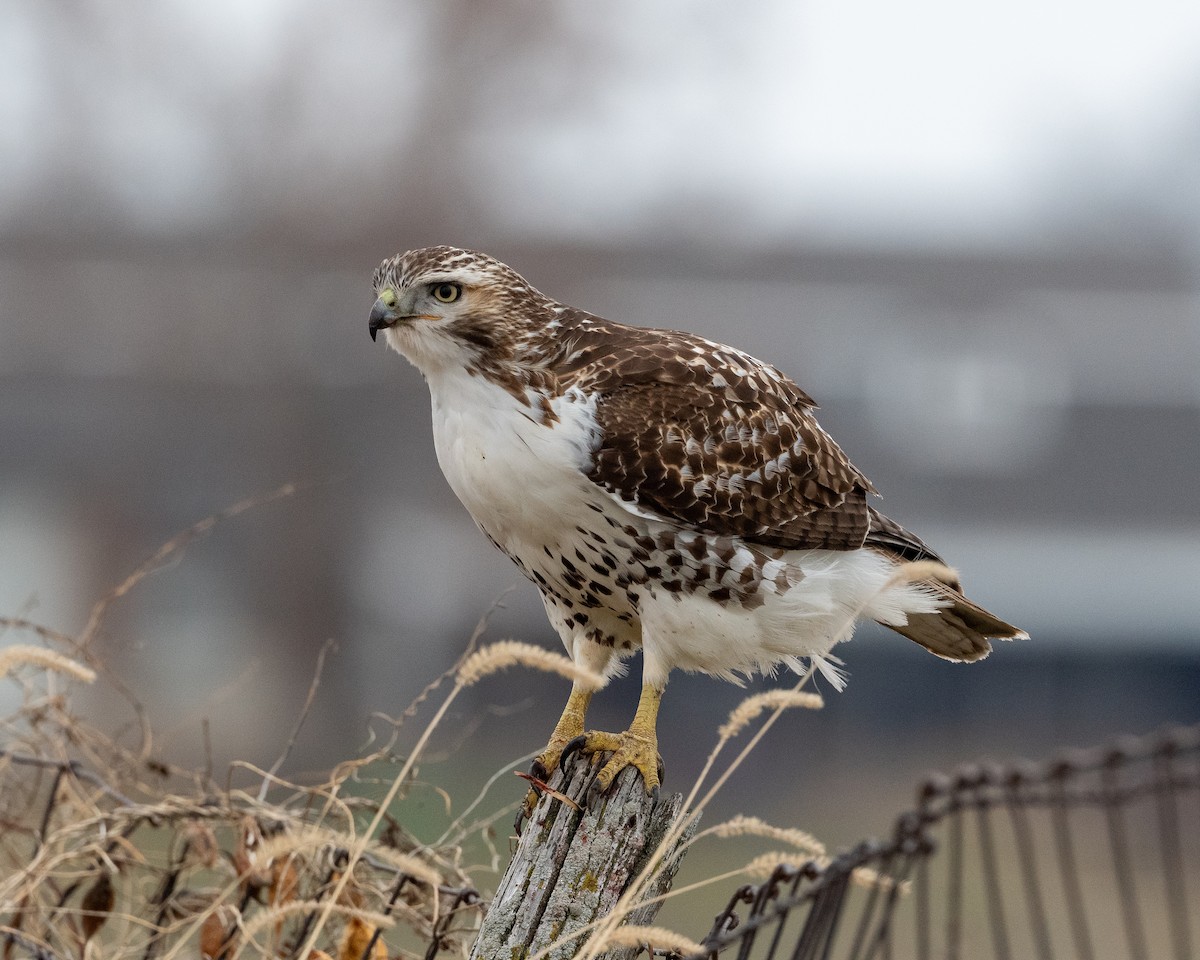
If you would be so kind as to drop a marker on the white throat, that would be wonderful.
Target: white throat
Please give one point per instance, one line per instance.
(427, 350)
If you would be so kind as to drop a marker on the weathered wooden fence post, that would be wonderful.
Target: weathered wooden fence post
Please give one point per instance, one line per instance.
(571, 866)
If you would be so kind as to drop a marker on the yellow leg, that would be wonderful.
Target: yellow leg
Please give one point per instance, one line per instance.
(637, 747)
(569, 726)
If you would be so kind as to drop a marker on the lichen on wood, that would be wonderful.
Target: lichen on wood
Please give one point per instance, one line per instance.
(573, 864)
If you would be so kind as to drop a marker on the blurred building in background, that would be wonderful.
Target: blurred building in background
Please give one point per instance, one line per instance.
(973, 236)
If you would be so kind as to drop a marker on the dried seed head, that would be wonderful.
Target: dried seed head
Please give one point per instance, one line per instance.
(511, 653)
(752, 706)
(658, 938)
(763, 866)
(752, 826)
(919, 570)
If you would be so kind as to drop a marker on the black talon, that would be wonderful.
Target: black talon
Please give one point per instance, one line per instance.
(662, 771)
(538, 770)
(576, 743)
(654, 793)
(525, 810)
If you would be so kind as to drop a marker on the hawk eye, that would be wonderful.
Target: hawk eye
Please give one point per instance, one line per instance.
(446, 292)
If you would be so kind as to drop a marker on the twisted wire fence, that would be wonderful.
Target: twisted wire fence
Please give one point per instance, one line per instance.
(1093, 854)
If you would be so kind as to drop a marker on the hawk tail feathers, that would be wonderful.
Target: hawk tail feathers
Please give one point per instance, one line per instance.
(961, 631)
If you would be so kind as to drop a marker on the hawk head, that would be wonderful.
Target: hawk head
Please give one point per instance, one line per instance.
(443, 306)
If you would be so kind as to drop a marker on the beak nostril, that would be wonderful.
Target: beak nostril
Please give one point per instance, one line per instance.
(382, 316)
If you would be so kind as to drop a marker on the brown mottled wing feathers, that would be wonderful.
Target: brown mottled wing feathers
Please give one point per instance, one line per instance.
(711, 438)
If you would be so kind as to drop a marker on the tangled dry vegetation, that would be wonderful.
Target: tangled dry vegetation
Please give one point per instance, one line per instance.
(106, 850)
(109, 850)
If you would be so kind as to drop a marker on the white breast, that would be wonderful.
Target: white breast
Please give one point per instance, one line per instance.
(521, 479)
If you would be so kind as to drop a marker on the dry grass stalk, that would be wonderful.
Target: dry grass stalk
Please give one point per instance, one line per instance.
(300, 908)
(765, 864)
(512, 653)
(742, 826)
(761, 867)
(308, 841)
(473, 668)
(753, 706)
(408, 865)
(27, 655)
(657, 938)
(872, 879)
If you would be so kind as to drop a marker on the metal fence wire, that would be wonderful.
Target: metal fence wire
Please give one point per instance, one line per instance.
(1094, 854)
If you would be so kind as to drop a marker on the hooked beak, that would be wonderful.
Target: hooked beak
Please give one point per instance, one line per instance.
(383, 313)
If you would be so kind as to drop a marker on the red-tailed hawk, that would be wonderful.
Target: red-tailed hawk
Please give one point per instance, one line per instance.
(664, 492)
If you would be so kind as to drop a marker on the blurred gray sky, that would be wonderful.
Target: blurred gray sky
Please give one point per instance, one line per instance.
(972, 231)
(935, 121)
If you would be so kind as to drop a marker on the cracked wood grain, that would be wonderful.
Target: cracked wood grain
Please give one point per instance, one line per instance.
(571, 866)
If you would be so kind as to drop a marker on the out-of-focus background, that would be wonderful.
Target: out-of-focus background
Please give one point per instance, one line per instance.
(972, 232)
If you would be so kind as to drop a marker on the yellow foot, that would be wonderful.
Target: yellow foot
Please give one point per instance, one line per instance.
(544, 764)
(628, 749)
